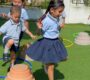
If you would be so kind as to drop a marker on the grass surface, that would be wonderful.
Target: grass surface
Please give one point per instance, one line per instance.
(77, 67)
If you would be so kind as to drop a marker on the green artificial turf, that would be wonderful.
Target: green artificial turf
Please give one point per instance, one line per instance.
(77, 67)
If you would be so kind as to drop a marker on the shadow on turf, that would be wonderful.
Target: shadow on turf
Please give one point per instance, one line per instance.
(41, 75)
(87, 32)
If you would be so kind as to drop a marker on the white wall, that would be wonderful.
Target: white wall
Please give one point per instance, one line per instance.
(76, 13)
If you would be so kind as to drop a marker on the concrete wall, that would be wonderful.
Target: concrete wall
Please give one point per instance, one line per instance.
(76, 13)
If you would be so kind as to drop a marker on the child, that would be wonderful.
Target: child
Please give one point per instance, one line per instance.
(62, 17)
(24, 16)
(49, 50)
(11, 30)
(88, 22)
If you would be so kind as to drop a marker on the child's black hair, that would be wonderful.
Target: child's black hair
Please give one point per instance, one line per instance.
(53, 4)
(49, 6)
(21, 0)
(15, 9)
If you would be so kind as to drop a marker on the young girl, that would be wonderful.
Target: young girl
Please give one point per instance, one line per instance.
(49, 50)
(62, 17)
(11, 30)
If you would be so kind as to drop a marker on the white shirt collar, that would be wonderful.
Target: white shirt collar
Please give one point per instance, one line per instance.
(13, 23)
(54, 19)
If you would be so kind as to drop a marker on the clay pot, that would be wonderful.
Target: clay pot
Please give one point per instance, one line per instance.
(20, 72)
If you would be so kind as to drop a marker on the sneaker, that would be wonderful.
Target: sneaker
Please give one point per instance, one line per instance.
(11, 65)
(8, 69)
(5, 57)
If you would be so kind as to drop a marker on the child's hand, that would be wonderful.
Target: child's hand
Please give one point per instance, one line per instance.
(62, 25)
(3, 15)
(39, 24)
(88, 17)
(33, 37)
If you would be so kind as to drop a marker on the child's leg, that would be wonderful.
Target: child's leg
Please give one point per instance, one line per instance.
(13, 57)
(50, 69)
(8, 45)
(13, 51)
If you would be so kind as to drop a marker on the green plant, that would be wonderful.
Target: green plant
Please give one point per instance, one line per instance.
(87, 2)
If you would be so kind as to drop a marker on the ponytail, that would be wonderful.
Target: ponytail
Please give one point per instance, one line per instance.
(48, 9)
(53, 4)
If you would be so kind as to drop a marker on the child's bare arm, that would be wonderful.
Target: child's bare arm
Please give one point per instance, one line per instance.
(39, 24)
(0, 33)
(30, 34)
(4, 15)
(88, 17)
(63, 23)
(26, 23)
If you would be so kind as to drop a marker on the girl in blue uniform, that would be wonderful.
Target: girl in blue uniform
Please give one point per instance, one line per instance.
(49, 50)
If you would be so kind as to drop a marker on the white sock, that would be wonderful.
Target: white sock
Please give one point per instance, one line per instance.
(6, 50)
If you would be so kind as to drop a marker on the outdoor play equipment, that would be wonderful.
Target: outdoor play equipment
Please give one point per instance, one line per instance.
(82, 38)
(70, 43)
(20, 72)
(18, 59)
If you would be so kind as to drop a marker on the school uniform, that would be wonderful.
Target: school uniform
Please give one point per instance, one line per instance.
(48, 49)
(12, 30)
(24, 16)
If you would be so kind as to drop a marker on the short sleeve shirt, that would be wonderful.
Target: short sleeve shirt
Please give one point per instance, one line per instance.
(12, 30)
(50, 27)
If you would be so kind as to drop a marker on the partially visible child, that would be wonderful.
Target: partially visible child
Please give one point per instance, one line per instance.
(88, 22)
(49, 50)
(24, 16)
(11, 30)
(62, 17)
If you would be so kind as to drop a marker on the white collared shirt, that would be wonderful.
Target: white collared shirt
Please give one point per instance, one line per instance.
(50, 27)
(12, 30)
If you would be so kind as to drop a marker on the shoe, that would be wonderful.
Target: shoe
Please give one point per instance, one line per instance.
(11, 65)
(5, 57)
(8, 68)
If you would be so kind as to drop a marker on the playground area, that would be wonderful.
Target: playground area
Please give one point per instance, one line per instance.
(77, 65)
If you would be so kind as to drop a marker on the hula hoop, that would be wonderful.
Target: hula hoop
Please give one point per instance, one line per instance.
(2, 77)
(71, 43)
(16, 60)
(75, 34)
